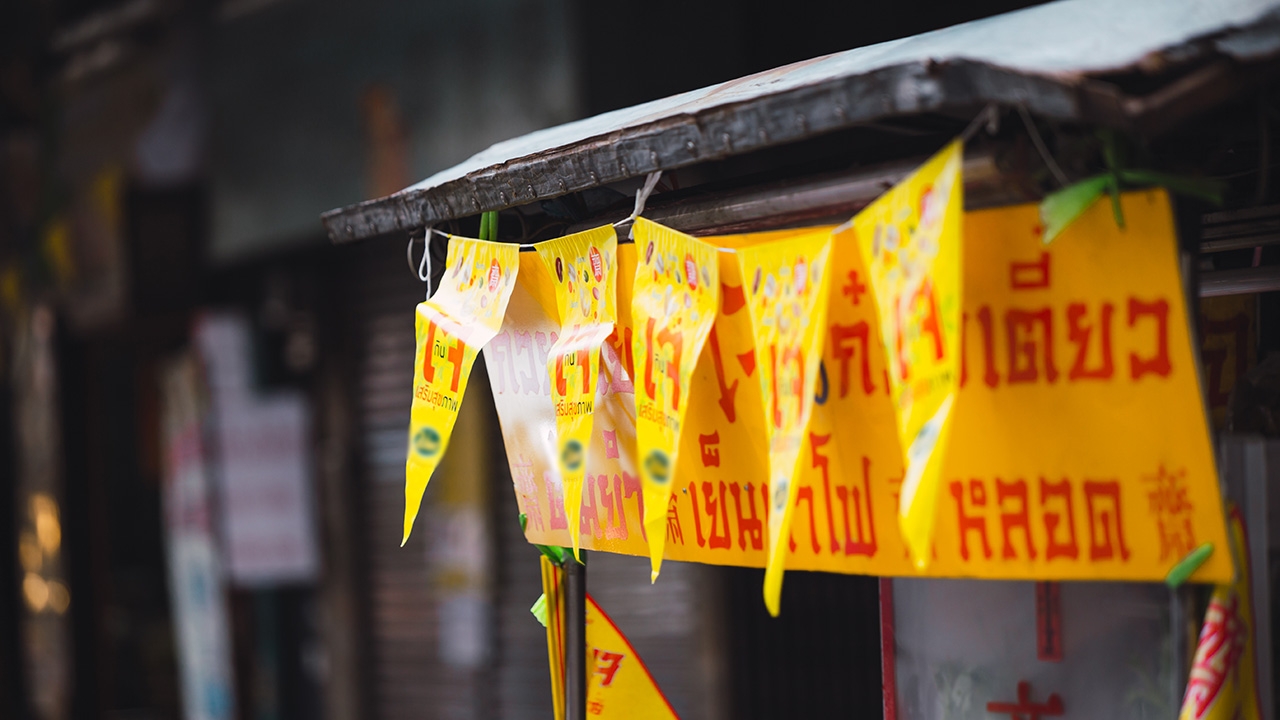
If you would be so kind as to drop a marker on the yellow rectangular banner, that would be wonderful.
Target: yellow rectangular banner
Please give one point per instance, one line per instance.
(676, 293)
(910, 241)
(465, 312)
(582, 269)
(1079, 447)
(786, 297)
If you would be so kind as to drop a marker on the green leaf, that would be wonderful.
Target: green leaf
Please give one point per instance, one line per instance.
(1113, 188)
(1207, 189)
(539, 609)
(554, 554)
(1060, 209)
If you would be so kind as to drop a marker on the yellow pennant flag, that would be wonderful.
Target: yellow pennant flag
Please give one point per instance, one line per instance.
(1224, 682)
(619, 684)
(677, 288)
(451, 327)
(583, 269)
(786, 295)
(910, 241)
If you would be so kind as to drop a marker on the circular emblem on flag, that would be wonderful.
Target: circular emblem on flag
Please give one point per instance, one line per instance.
(571, 456)
(426, 442)
(658, 466)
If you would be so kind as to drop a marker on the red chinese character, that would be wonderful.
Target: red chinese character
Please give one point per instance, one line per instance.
(1024, 709)
(1173, 510)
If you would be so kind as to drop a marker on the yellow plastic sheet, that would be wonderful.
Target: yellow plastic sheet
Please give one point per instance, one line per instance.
(910, 242)
(786, 296)
(451, 327)
(1079, 400)
(583, 269)
(676, 293)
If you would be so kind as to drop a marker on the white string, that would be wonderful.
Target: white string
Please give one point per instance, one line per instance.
(426, 259)
(642, 196)
(1041, 148)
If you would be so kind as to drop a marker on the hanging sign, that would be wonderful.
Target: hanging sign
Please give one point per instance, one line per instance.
(1224, 675)
(583, 271)
(618, 683)
(786, 298)
(451, 327)
(910, 244)
(1079, 447)
(677, 290)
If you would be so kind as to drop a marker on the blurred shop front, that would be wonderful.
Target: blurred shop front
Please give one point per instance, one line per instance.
(203, 403)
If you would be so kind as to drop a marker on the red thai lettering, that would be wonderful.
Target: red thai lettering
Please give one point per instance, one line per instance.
(555, 501)
(1158, 362)
(674, 533)
(1016, 517)
(989, 374)
(1065, 517)
(606, 665)
(971, 522)
(589, 514)
(1020, 326)
(1106, 526)
(1030, 275)
(1080, 334)
(579, 359)
(717, 540)
(843, 349)
(851, 502)
(727, 391)
(665, 338)
(709, 445)
(451, 353)
(529, 381)
(616, 529)
(749, 527)
(498, 356)
(805, 495)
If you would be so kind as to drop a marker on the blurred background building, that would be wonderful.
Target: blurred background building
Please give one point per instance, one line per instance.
(203, 405)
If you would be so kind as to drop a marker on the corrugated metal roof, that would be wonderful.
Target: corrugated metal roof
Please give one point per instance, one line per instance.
(1045, 57)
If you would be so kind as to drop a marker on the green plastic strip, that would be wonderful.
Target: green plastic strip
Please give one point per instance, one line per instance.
(1179, 573)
